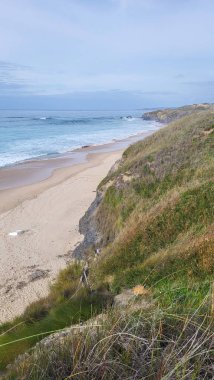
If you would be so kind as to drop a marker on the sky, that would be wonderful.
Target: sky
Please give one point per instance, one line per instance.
(106, 54)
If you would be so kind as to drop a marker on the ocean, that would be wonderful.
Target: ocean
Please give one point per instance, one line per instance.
(25, 135)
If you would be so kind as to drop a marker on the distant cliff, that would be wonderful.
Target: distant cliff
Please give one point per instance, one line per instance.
(170, 114)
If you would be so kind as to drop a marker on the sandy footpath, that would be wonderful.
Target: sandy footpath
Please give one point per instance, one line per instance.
(49, 213)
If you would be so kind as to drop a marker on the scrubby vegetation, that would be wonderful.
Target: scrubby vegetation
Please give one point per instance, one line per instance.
(127, 346)
(50, 314)
(156, 222)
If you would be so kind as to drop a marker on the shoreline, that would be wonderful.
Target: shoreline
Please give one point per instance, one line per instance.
(47, 213)
(30, 171)
(27, 180)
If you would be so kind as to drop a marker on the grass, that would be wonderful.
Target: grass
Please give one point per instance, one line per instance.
(156, 222)
(163, 203)
(127, 346)
(53, 313)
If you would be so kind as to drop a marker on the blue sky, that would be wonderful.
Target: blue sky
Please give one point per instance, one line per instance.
(88, 54)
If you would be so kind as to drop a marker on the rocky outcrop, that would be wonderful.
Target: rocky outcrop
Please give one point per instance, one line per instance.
(54, 341)
(88, 225)
(88, 228)
(170, 114)
(137, 297)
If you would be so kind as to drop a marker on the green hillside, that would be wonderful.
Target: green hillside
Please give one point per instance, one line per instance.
(157, 214)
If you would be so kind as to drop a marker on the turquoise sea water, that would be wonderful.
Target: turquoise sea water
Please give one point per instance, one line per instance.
(36, 134)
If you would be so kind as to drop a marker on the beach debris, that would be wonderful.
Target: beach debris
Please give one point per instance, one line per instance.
(8, 289)
(21, 285)
(38, 274)
(17, 232)
(32, 266)
(84, 275)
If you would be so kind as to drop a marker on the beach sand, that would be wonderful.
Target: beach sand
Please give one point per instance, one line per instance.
(47, 212)
(41, 203)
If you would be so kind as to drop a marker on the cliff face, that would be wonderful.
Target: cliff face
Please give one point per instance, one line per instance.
(89, 224)
(88, 227)
(169, 114)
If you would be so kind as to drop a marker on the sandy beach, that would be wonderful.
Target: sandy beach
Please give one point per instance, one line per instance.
(48, 214)
(41, 203)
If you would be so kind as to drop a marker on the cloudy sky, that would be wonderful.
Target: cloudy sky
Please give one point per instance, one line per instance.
(88, 54)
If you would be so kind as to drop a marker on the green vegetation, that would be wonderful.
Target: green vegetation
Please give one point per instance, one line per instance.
(169, 231)
(53, 313)
(156, 220)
